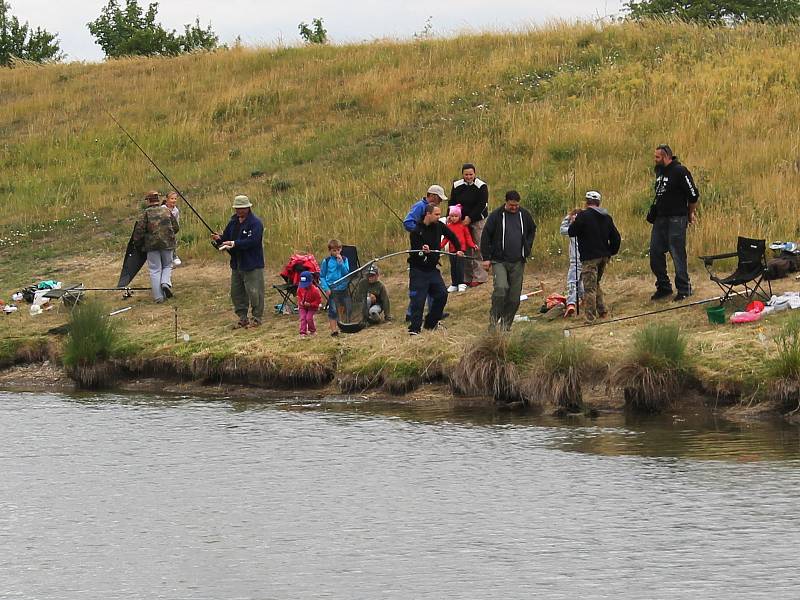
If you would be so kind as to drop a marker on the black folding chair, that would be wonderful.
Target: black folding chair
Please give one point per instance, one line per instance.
(750, 272)
(287, 292)
(351, 254)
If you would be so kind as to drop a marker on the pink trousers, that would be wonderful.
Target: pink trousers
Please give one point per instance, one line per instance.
(307, 324)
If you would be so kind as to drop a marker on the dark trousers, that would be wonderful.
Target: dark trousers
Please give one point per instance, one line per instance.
(507, 277)
(456, 270)
(669, 235)
(422, 284)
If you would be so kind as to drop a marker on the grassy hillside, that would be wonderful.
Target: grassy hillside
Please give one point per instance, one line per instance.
(305, 131)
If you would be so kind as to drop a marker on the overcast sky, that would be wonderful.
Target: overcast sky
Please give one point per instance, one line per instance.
(265, 22)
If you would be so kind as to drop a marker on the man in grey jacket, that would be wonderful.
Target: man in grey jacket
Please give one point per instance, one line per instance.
(505, 246)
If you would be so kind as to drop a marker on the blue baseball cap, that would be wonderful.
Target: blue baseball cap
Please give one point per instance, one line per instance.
(306, 279)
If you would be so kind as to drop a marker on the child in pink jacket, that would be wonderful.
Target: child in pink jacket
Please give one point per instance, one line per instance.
(309, 300)
(456, 225)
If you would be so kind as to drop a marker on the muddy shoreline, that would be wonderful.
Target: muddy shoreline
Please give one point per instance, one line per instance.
(49, 376)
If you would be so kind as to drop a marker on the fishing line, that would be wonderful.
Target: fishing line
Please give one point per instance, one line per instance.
(167, 179)
(651, 312)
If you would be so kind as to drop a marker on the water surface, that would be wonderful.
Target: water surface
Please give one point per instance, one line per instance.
(145, 497)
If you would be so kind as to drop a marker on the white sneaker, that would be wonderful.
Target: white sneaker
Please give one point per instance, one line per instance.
(452, 289)
(176, 262)
(462, 287)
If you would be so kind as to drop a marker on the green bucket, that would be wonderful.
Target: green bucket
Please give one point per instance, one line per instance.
(716, 314)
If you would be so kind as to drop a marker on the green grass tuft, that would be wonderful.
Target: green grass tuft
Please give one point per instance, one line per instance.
(661, 347)
(786, 364)
(92, 337)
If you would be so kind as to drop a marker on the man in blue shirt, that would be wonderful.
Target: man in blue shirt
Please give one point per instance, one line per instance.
(415, 216)
(243, 239)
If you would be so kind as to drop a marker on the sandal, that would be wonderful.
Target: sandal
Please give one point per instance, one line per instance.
(242, 324)
(570, 310)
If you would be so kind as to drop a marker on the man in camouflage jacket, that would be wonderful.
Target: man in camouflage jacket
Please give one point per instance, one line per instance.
(155, 233)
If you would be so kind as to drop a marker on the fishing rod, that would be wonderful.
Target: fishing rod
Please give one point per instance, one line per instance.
(117, 289)
(651, 312)
(378, 196)
(386, 204)
(167, 179)
(380, 258)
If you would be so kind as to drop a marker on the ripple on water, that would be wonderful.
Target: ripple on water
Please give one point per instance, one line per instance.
(131, 497)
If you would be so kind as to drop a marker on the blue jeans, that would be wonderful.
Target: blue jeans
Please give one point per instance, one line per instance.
(422, 284)
(340, 305)
(669, 235)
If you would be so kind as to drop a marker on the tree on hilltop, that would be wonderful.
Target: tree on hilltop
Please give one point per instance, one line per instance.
(316, 34)
(716, 11)
(131, 31)
(20, 40)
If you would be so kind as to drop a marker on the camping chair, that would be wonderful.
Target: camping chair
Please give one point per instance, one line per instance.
(750, 272)
(291, 276)
(351, 254)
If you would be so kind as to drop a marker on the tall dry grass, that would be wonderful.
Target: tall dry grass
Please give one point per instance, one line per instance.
(303, 131)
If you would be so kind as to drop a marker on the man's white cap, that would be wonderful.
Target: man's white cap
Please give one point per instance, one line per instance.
(438, 190)
(594, 196)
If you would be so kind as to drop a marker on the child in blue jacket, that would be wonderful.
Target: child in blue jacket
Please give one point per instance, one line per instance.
(333, 268)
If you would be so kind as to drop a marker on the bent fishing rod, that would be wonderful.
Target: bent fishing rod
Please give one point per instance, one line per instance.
(651, 312)
(164, 175)
(384, 257)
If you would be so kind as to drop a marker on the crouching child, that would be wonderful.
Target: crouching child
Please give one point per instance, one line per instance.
(372, 297)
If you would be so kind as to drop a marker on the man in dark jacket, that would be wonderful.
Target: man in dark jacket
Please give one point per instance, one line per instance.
(242, 239)
(473, 196)
(673, 210)
(506, 245)
(424, 278)
(598, 241)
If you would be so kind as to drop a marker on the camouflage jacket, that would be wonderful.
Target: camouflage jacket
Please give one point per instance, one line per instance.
(155, 229)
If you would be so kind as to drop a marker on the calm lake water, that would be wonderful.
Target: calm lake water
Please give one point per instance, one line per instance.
(145, 497)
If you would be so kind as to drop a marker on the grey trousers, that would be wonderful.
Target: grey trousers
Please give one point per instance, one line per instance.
(247, 290)
(507, 277)
(159, 263)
